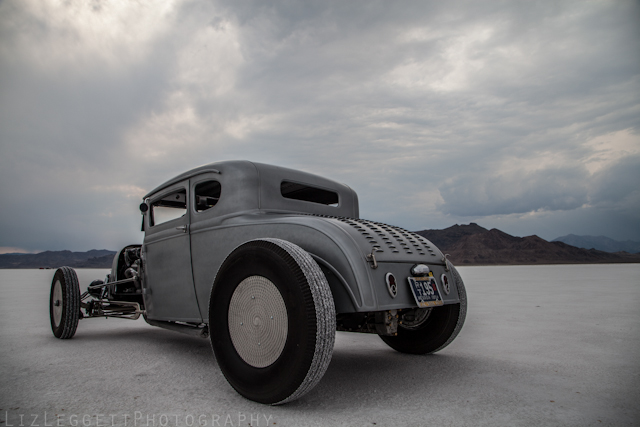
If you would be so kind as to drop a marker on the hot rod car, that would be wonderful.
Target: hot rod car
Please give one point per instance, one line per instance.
(268, 263)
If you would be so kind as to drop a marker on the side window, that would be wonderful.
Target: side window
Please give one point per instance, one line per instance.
(296, 191)
(169, 207)
(207, 194)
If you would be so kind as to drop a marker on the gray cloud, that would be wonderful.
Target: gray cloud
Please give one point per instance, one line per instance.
(618, 184)
(434, 112)
(545, 189)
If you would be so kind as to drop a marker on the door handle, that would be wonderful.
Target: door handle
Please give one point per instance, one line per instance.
(182, 228)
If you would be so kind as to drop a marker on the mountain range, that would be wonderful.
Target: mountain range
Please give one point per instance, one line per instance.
(474, 245)
(600, 243)
(468, 244)
(95, 258)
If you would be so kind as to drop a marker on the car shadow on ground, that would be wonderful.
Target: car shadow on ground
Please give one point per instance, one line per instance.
(144, 338)
(363, 370)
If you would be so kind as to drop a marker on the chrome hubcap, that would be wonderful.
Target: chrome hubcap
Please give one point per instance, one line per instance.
(56, 303)
(258, 322)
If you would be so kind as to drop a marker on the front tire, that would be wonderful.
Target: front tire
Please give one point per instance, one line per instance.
(438, 329)
(272, 321)
(64, 303)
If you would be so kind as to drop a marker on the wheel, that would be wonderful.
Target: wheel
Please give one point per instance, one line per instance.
(431, 329)
(272, 321)
(64, 303)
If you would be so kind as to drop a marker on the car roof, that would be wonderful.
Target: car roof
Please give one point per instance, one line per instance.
(266, 174)
(211, 167)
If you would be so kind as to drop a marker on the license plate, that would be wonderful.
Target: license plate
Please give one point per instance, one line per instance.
(425, 291)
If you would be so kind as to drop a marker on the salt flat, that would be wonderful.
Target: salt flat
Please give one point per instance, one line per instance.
(542, 345)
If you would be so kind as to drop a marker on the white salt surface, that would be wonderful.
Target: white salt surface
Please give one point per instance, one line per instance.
(542, 345)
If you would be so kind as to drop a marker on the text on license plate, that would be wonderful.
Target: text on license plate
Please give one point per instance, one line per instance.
(425, 291)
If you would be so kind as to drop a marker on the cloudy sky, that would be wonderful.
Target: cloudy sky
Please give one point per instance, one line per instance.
(522, 116)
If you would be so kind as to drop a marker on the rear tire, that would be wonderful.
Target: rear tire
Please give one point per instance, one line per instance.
(272, 321)
(437, 331)
(64, 303)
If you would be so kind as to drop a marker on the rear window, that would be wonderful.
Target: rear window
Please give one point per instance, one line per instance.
(308, 193)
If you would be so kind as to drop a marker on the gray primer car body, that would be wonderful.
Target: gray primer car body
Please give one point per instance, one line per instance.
(269, 262)
(251, 206)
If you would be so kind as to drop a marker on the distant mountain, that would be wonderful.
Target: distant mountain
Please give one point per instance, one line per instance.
(600, 243)
(450, 236)
(474, 245)
(94, 258)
